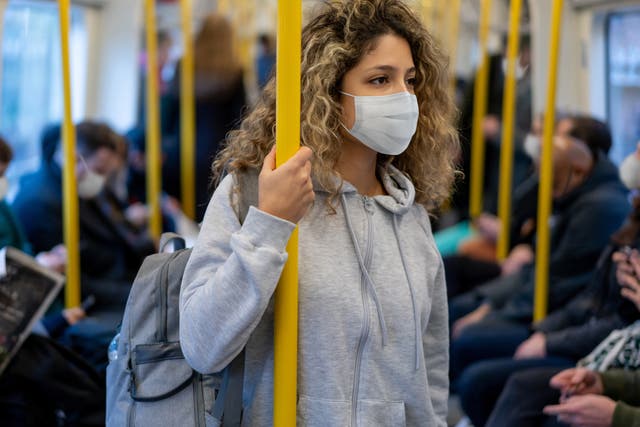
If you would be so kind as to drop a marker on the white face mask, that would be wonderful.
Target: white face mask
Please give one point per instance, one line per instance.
(532, 147)
(386, 123)
(4, 187)
(630, 172)
(520, 70)
(91, 184)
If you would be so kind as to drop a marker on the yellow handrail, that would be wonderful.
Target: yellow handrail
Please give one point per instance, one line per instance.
(223, 6)
(287, 144)
(70, 193)
(546, 171)
(479, 113)
(508, 124)
(187, 115)
(427, 13)
(454, 12)
(154, 161)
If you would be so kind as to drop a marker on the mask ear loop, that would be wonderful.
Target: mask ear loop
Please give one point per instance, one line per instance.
(84, 163)
(342, 124)
(566, 185)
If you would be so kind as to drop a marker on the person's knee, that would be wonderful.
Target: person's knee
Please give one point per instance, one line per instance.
(463, 305)
(475, 378)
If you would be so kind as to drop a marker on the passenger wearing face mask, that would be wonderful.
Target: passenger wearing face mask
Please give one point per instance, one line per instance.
(589, 203)
(475, 261)
(108, 263)
(378, 149)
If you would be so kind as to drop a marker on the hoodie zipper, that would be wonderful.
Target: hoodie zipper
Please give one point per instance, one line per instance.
(366, 327)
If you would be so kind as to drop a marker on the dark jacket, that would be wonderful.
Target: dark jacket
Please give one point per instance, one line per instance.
(582, 224)
(105, 251)
(218, 111)
(576, 329)
(623, 387)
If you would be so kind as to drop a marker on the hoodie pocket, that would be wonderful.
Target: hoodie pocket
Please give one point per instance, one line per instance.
(315, 412)
(381, 413)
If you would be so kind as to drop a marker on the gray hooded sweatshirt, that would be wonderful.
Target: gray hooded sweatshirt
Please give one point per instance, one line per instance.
(373, 334)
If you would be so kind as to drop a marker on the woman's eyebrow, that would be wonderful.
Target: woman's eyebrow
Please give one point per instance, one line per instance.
(389, 68)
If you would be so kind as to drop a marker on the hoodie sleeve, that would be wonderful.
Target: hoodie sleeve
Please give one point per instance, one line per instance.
(229, 280)
(436, 348)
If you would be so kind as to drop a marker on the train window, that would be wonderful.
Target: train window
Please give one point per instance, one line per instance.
(623, 71)
(31, 79)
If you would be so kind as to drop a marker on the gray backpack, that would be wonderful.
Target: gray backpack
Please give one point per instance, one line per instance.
(149, 383)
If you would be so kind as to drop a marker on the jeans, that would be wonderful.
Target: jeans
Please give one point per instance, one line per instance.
(480, 386)
(523, 399)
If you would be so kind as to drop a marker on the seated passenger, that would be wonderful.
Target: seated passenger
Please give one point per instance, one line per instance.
(527, 393)
(107, 257)
(565, 336)
(11, 230)
(589, 205)
(475, 262)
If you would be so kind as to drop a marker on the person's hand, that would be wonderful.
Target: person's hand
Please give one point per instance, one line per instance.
(535, 346)
(518, 257)
(577, 381)
(584, 411)
(55, 259)
(622, 259)
(630, 285)
(137, 214)
(286, 192)
(488, 226)
(73, 315)
(491, 127)
(474, 317)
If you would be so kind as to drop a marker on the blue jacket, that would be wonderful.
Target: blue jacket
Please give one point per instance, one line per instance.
(109, 253)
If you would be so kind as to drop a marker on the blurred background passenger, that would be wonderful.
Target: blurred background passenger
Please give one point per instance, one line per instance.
(220, 99)
(110, 250)
(265, 59)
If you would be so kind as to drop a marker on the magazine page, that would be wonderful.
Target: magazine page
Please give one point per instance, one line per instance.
(26, 291)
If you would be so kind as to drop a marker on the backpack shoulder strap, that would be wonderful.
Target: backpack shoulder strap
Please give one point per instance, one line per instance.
(228, 405)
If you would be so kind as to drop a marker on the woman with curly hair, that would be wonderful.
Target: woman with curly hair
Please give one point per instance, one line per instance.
(378, 148)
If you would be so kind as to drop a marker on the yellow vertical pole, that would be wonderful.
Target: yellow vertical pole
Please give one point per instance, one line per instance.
(546, 171)
(246, 38)
(427, 13)
(479, 113)
(70, 193)
(454, 12)
(508, 123)
(223, 6)
(287, 144)
(154, 160)
(187, 115)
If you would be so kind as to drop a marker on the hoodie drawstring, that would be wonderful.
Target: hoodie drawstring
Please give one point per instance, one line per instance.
(416, 315)
(365, 272)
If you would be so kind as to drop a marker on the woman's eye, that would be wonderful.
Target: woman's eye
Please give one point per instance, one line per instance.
(379, 80)
(411, 81)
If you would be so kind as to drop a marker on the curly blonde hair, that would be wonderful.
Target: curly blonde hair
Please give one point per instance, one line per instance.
(334, 42)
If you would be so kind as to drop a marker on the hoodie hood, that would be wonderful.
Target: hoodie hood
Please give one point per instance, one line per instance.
(400, 195)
